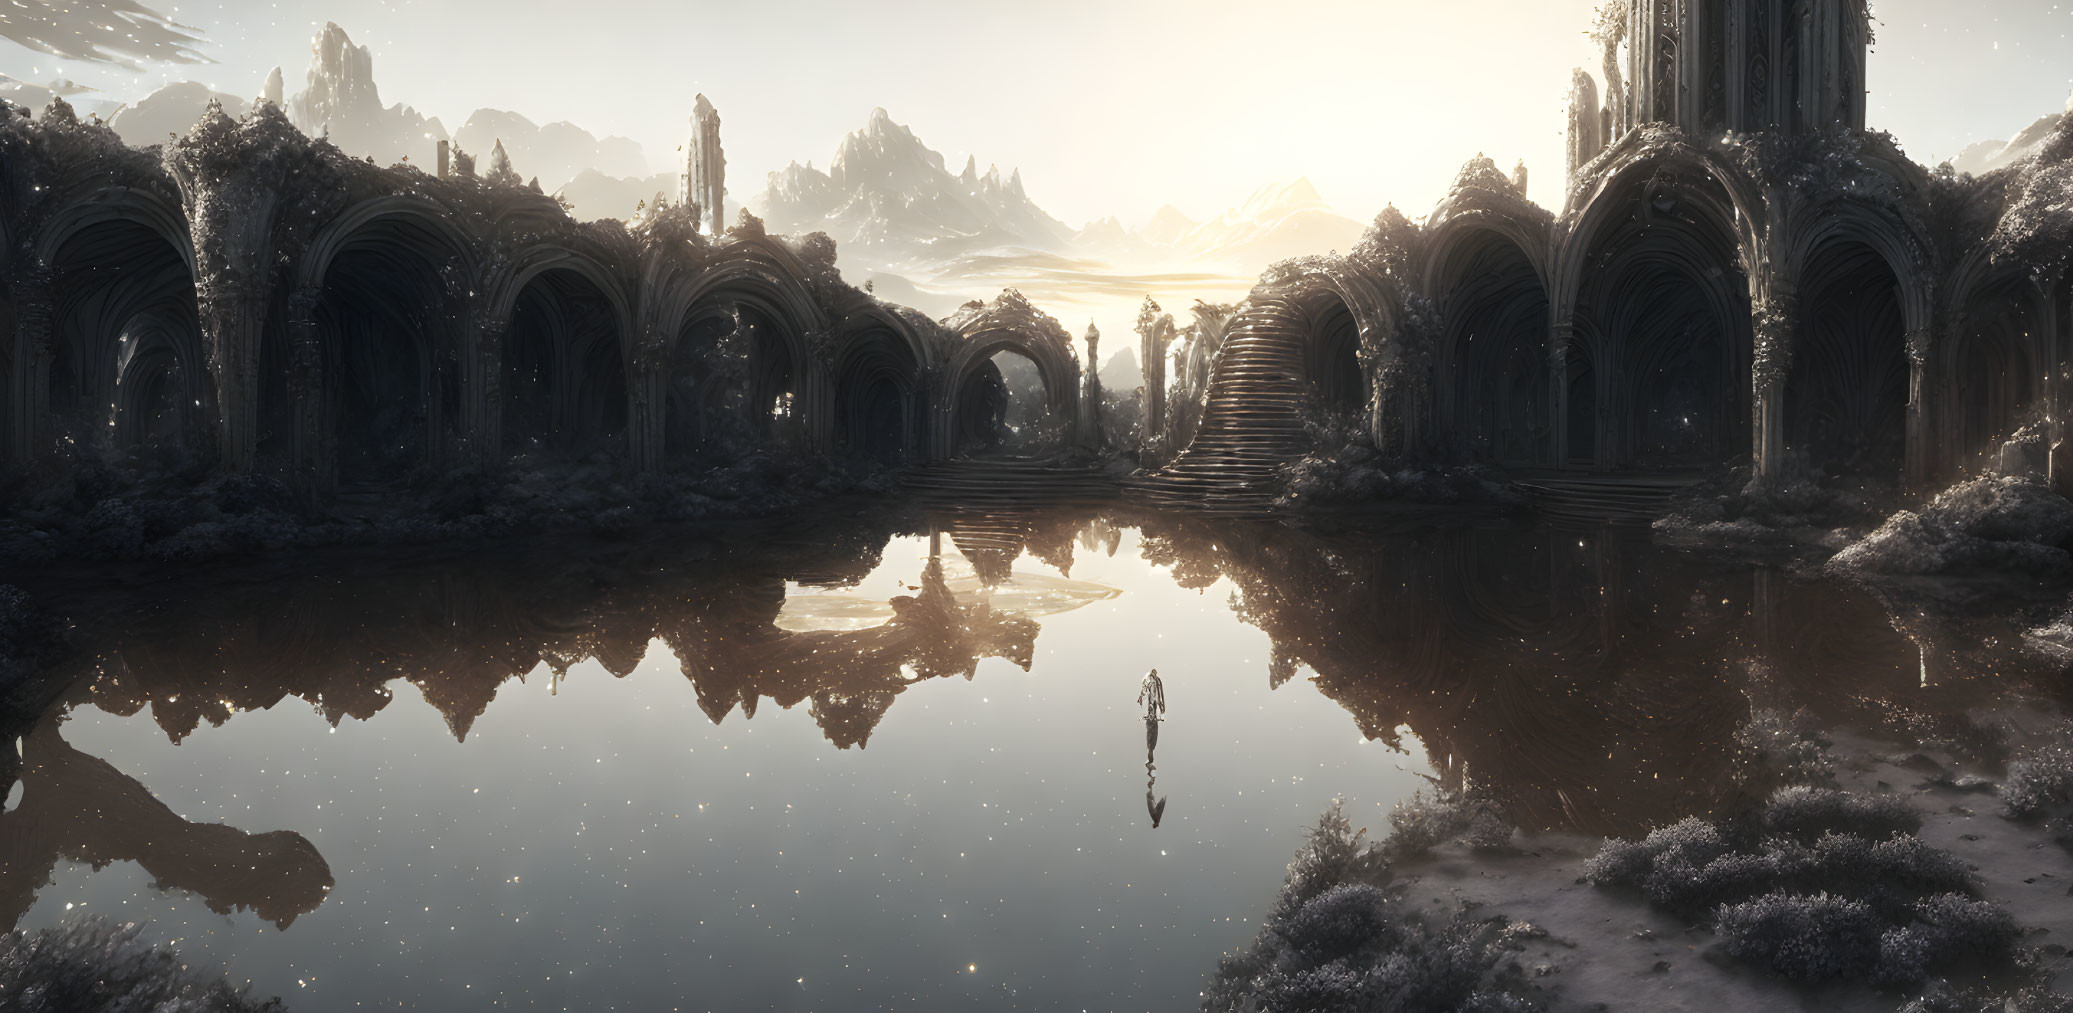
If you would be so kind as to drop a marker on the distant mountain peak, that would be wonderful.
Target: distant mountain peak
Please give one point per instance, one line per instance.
(889, 195)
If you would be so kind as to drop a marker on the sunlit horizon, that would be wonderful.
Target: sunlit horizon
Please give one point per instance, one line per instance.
(1106, 111)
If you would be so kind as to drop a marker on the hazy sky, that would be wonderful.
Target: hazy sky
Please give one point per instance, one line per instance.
(1108, 107)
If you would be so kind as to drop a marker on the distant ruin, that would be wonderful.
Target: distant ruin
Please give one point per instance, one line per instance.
(1741, 271)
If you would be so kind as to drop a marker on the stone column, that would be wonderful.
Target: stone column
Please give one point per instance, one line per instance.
(1091, 409)
(1774, 321)
(34, 333)
(310, 464)
(482, 382)
(1917, 467)
(817, 399)
(1561, 335)
(647, 404)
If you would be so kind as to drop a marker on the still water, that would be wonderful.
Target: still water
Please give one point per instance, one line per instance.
(878, 764)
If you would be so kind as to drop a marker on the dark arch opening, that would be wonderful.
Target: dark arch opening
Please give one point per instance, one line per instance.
(697, 416)
(389, 360)
(119, 286)
(1680, 372)
(1993, 373)
(775, 409)
(152, 406)
(876, 409)
(564, 372)
(1332, 355)
(1846, 395)
(1668, 313)
(1004, 406)
(1582, 420)
(1496, 342)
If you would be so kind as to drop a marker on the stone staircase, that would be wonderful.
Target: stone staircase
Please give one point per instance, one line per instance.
(1252, 423)
(1003, 483)
(1621, 499)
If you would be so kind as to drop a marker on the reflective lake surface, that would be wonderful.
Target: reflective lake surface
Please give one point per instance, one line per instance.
(880, 762)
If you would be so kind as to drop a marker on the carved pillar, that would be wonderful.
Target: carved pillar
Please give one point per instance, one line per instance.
(1091, 428)
(34, 333)
(1561, 335)
(818, 399)
(1918, 466)
(1773, 326)
(311, 464)
(482, 382)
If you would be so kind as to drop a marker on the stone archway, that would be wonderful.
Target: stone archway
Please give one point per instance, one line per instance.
(1662, 327)
(878, 408)
(973, 381)
(388, 326)
(125, 338)
(563, 385)
(1846, 396)
(1331, 354)
(1991, 375)
(1492, 390)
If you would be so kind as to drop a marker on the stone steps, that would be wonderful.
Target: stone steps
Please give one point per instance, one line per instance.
(1252, 423)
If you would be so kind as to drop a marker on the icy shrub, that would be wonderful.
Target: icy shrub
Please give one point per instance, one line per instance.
(1817, 938)
(1779, 749)
(1820, 884)
(1339, 922)
(1736, 508)
(1343, 468)
(1805, 814)
(1981, 524)
(2041, 779)
(94, 966)
(1424, 822)
(2038, 998)
(1337, 940)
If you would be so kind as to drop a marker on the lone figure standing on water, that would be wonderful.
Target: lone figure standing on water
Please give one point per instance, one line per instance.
(1152, 693)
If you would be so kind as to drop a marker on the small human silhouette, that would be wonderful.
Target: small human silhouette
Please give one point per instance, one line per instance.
(1152, 694)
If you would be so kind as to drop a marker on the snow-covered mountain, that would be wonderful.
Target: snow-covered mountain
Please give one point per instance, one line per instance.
(1986, 156)
(1275, 223)
(890, 199)
(340, 96)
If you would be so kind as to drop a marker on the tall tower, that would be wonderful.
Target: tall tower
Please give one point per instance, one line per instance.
(1719, 66)
(705, 167)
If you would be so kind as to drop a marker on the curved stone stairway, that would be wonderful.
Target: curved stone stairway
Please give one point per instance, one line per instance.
(1004, 482)
(1253, 422)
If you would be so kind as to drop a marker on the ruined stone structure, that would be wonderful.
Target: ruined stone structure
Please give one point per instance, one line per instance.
(275, 307)
(705, 167)
(1740, 270)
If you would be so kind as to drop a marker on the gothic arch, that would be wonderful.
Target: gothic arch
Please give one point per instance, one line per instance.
(1992, 370)
(880, 412)
(1007, 324)
(114, 280)
(564, 362)
(1847, 392)
(384, 283)
(1491, 387)
(1662, 321)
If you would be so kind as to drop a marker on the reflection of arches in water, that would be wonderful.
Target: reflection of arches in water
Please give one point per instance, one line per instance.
(80, 808)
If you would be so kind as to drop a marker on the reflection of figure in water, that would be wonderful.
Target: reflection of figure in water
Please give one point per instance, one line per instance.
(81, 808)
(1152, 693)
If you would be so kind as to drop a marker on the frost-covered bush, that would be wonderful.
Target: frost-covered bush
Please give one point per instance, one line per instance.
(1423, 822)
(1343, 468)
(2040, 780)
(1779, 749)
(1337, 939)
(1805, 814)
(1735, 508)
(95, 966)
(1807, 938)
(1983, 524)
(1818, 885)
